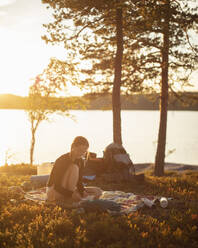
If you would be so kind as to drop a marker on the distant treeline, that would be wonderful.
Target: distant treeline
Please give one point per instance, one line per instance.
(188, 101)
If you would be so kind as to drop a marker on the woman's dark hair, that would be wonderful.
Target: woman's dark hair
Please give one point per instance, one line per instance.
(80, 140)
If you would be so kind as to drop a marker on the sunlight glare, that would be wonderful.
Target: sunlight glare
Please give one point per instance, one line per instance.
(6, 2)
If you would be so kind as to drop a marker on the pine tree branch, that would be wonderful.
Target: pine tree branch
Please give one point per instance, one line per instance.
(90, 24)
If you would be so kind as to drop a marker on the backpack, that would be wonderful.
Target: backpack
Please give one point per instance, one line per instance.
(118, 161)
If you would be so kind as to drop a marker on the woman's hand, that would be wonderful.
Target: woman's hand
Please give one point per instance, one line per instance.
(76, 196)
(88, 196)
(85, 194)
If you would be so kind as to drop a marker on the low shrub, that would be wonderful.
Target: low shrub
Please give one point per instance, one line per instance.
(19, 169)
(28, 224)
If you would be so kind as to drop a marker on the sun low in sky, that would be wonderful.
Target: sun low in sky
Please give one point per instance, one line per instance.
(23, 54)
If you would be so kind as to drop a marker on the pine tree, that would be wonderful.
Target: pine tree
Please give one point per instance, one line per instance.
(97, 39)
(168, 54)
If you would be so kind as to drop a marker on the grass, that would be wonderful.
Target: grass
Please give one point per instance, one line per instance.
(27, 224)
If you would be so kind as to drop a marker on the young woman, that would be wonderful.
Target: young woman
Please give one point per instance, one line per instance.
(65, 181)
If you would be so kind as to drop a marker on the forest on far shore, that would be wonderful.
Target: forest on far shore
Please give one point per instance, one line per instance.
(186, 101)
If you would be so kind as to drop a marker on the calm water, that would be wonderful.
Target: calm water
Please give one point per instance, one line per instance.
(139, 131)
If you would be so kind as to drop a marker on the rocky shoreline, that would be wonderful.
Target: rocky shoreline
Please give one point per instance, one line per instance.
(142, 167)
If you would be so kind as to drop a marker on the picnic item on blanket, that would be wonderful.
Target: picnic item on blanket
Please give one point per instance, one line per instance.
(45, 168)
(100, 205)
(129, 202)
(39, 179)
(38, 195)
(42, 179)
(163, 202)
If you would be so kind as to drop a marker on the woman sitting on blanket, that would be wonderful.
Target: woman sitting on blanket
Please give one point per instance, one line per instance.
(65, 181)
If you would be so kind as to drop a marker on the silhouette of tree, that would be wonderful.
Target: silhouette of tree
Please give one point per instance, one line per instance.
(41, 104)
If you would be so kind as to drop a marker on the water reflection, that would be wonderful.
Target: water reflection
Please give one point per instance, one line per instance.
(139, 131)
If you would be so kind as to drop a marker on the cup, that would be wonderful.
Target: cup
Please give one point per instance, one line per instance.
(163, 202)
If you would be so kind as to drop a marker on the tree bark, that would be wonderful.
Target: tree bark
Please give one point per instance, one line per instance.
(32, 147)
(116, 104)
(161, 147)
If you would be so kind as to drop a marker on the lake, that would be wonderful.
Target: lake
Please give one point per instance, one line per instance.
(139, 133)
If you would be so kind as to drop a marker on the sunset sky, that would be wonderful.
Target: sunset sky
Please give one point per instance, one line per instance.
(23, 54)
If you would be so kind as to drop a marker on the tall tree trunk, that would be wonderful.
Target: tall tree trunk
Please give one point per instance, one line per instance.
(116, 105)
(32, 147)
(161, 147)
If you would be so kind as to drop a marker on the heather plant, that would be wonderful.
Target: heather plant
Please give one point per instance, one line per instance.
(24, 223)
(19, 169)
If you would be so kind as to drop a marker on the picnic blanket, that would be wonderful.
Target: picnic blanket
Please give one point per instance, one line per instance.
(110, 201)
(114, 202)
